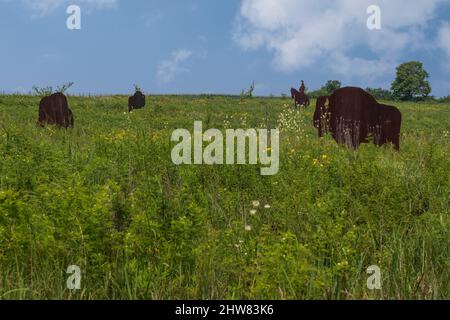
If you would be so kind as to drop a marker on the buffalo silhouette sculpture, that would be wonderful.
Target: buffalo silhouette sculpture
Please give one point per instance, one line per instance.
(136, 101)
(54, 110)
(352, 116)
(300, 98)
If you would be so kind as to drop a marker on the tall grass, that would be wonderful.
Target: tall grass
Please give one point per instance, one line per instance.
(105, 196)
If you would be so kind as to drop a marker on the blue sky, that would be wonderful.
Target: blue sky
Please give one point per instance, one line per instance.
(204, 46)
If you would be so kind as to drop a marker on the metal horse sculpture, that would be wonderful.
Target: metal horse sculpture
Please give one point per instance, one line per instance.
(300, 98)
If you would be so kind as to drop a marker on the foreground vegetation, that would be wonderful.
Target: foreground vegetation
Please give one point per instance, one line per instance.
(105, 196)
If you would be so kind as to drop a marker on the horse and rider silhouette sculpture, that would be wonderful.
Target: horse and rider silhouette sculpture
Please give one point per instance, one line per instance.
(300, 97)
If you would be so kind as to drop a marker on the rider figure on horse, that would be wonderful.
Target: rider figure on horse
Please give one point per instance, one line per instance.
(302, 87)
(300, 97)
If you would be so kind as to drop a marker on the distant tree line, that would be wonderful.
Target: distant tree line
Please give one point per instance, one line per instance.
(411, 84)
(333, 85)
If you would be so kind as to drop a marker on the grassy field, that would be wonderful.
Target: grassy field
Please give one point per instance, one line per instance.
(105, 196)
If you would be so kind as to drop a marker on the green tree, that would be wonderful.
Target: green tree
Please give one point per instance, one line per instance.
(411, 82)
(444, 99)
(326, 90)
(332, 85)
(380, 93)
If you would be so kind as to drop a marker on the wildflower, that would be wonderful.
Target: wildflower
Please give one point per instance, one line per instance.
(324, 157)
(248, 228)
(120, 135)
(267, 206)
(252, 212)
(255, 204)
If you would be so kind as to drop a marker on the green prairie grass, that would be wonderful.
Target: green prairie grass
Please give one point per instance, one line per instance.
(105, 196)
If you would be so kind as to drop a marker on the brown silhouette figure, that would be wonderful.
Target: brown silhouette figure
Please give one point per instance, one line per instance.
(387, 126)
(322, 116)
(137, 101)
(300, 98)
(352, 115)
(302, 87)
(54, 110)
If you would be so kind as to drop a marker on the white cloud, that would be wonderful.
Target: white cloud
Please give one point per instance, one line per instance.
(152, 18)
(304, 33)
(443, 39)
(43, 7)
(168, 69)
(355, 67)
(443, 42)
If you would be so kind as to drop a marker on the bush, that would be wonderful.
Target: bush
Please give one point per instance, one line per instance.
(248, 93)
(326, 90)
(445, 99)
(47, 91)
(380, 94)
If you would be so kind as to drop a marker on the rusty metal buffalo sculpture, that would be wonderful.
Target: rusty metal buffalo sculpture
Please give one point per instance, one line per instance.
(300, 98)
(352, 116)
(54, 110)
(137, 101)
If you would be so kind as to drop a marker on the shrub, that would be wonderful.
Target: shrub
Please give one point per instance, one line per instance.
(47, 91)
